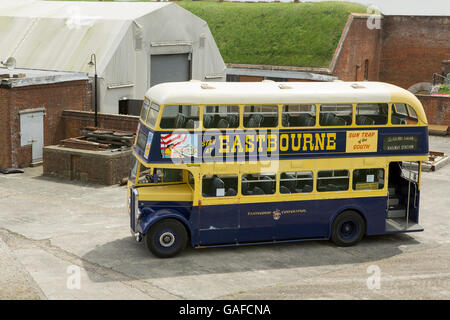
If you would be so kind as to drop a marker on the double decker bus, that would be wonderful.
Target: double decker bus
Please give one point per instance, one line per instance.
(225, 164)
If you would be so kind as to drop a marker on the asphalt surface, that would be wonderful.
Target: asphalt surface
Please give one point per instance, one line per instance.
(66, 240)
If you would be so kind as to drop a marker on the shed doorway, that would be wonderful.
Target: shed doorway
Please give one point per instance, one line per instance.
(170, 68)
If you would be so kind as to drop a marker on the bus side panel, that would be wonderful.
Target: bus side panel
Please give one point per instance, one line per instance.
(305, 219)
(313, 218)
(217, 224)
(256, 221)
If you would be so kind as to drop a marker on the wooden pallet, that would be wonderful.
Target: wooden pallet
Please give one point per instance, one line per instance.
(81, 143)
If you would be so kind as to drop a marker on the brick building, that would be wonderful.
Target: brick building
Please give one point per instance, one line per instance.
(403, 50)
(31, 104)
(413, 48)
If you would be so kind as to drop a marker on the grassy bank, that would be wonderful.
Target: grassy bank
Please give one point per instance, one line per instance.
(296, 34)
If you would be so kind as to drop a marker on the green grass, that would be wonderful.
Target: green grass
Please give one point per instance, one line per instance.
(445, 88)
(293, 34)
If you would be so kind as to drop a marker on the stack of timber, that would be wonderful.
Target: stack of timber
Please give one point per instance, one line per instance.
(94, 138)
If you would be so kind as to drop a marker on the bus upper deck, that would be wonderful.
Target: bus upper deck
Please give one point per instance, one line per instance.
(204, 122)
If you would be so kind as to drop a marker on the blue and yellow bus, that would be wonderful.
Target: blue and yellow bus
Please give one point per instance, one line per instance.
(225, 164)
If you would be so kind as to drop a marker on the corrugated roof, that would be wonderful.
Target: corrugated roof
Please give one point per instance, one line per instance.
(28, 77)
(82, 9)
(59, 35)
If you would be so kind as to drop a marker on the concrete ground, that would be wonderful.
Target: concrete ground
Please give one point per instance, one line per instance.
(64, 240)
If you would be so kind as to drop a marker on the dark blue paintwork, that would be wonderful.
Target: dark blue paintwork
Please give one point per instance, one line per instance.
(420, 132)
(232, 224)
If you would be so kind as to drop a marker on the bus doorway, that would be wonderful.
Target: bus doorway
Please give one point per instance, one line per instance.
(403, 197)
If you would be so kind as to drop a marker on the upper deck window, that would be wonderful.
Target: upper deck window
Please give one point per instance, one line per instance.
(412, 113)
(371, 114)
(144, 109)
(221, 117)
(299, 115)
(153, 114)
(403, 114)
(336, 114)
(260, 116)
(180, 117)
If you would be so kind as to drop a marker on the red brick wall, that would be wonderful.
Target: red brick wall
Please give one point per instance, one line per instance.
(102, 167)
(250, 78)
(75, 121)
(54, 98)
(299, 80)
(358, 44)
(413, 48)
(437, 109)
(5, 134)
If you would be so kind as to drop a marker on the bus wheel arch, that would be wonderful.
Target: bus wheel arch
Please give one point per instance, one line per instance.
(348, 227)
(167, 237)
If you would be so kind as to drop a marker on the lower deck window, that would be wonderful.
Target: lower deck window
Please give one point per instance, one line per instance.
(368, 179)
(219, 185)
(332, 180)
(258, 184)
(296, 182)
(148, 175)
(133, 170)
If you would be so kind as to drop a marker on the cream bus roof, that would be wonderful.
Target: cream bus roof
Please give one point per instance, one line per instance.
(267, 92)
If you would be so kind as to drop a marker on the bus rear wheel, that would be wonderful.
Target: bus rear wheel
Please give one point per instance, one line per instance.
(166, 238)
(348, 229)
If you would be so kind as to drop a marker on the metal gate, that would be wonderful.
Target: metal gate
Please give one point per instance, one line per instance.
(32, 132)
(170, 68)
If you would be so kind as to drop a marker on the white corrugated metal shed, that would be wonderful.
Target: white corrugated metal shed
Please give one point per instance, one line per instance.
(62, 35)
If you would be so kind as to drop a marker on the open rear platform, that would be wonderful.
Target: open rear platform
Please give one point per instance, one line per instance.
(399, 225)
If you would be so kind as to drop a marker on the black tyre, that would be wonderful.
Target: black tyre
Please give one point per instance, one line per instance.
(348, 229)
(166, 238)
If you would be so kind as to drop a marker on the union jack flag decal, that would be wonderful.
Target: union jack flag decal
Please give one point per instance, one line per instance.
(174, 145)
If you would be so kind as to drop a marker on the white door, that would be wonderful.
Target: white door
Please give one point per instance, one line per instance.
(32, 132)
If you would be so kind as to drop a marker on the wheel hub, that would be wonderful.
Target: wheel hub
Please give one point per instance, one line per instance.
(167, 239)
(348, 229)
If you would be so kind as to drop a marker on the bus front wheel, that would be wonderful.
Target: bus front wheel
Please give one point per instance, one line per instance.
(166, 238)
(348, 229)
